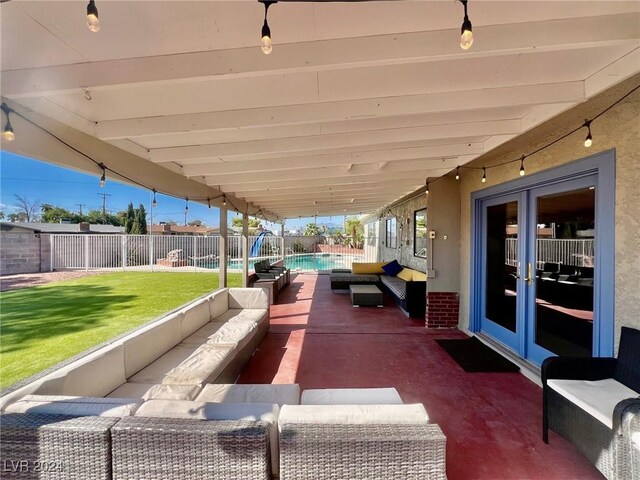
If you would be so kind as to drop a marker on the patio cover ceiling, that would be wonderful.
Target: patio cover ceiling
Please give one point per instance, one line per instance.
(355, 107)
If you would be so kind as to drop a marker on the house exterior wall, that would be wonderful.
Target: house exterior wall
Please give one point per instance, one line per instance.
(617, 129)
(403, 213)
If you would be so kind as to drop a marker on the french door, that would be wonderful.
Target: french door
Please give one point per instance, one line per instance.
(537, 269)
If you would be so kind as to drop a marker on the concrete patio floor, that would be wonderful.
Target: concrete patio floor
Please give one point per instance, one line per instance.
(492, 421)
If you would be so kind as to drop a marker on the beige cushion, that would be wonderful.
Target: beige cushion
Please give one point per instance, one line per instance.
(150, 342)
(250, 393)
(248, 298)
(148, 391)
(251, 315)
(218, 411)
(76, 406)
(598, 398)
(186, 365)
(406, 274)
(93, 376)
(234, 334)
(203, 334)
(218, 303)
(354, 414)
(351, 396)
(194, 316)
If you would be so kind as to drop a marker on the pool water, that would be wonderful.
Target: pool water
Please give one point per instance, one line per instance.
(304, 262)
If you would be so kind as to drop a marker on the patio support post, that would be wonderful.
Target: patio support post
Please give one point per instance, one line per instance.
(282, 240)
(222, 248)
(245, 250)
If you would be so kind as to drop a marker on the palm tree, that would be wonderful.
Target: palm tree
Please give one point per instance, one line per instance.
(354, 232)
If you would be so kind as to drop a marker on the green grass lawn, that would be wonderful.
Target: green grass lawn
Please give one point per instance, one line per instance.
(41, 326)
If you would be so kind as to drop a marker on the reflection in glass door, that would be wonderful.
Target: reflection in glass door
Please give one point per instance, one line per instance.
(562, 311)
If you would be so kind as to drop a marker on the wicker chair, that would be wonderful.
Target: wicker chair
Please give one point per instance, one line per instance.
(55, 447)
(609, 449)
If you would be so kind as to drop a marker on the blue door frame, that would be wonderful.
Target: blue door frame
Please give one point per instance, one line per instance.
(602, 167)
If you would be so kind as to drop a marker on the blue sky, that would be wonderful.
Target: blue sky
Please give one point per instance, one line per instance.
(48, 183)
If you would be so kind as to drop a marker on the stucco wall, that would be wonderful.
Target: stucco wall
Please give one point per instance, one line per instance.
(403, 213)
(619, 129)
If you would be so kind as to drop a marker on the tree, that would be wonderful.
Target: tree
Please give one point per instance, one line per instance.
(254, 224)
(54, 214)
(311, 230)
(1, 215)
(195, 223)
(141, 215)
(17, 217)
(355, 232)
(28, 208)
(95, 217)
(130, 219)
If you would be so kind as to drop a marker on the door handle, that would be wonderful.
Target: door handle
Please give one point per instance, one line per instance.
(529, 278)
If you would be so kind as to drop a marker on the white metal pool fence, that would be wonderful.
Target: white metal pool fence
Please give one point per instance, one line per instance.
(92, 252)
(574, 252)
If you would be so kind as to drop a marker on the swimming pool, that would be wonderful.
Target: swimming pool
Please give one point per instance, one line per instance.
(302, 262)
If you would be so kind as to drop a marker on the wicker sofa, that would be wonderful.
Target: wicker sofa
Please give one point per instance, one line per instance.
(409, 295)
(594, 403)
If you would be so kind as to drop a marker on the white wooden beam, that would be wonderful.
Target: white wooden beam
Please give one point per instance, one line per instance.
(453, 101)
(613, 73)
(320, 55)
(352, 140)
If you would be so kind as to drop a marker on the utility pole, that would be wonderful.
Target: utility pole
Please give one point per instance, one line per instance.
(104, 206)
(80, 205)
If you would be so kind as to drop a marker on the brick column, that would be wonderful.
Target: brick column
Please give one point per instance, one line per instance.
(442, 309)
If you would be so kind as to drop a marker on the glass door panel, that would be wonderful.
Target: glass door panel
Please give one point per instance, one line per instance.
(502, 257)
(561, 306)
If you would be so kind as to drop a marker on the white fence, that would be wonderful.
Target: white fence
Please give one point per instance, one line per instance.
(200, 253)
(578, 253)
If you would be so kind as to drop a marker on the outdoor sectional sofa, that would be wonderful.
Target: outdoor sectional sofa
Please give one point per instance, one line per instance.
(409, 294)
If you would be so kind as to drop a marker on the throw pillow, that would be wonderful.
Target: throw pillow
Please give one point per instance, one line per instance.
(406, 275)
(392, 268)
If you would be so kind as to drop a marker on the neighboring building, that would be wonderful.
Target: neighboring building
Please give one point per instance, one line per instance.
(166, 229)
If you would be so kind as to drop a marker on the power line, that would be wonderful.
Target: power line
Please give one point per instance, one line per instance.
(104, 206)
(80, 205)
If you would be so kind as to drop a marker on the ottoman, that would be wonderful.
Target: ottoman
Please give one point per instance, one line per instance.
(365, 295)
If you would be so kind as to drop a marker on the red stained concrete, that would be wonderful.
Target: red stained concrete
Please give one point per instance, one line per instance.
(491, 420)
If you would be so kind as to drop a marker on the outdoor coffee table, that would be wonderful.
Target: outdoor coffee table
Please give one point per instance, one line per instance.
(365, 296)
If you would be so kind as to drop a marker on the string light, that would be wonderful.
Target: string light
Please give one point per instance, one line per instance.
(458, 172)
(224, 200)
(266, 44)
(522, 172)
(186, 204)
(209, 202)
(93, 22)
(154, 203)
(484, 174)
(7, 132)
(427, 189)
(466, 31)
(103, 178)
(589, 140)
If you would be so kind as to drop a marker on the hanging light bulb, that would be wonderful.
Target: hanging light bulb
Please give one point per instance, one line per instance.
(589, 140)
(92, 17)
(209, 202)
(186, 205)
(522, 172)
(466, 37)
(427, 190)
(224, 200)
(154, 203)
(103, 178)
(7, 132)
(457, 173)
(266, 44)
(484, 175)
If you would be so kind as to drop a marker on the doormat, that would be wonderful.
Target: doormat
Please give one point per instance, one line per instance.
(474, 356)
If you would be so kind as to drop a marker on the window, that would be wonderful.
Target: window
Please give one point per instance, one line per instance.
(420, 233)
(392, 236)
